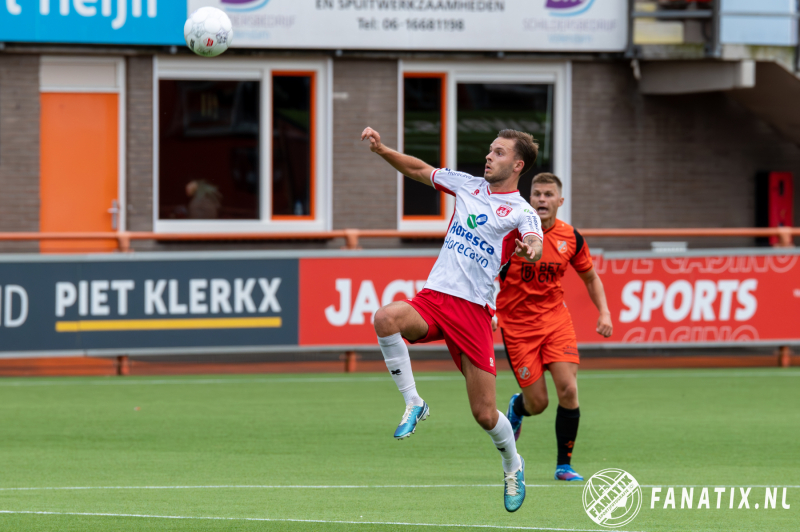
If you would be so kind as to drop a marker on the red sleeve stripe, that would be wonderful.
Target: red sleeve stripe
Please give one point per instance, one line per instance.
(532, 233)
(438, 186)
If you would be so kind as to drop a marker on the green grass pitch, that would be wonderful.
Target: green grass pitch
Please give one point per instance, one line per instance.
(228, 447)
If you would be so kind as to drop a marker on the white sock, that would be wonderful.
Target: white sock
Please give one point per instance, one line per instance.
(395, 353)
(503, 437)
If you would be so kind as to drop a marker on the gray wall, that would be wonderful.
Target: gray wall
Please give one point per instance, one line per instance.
(140, 143)
(666, 161)
(19, 147)
(364, 186)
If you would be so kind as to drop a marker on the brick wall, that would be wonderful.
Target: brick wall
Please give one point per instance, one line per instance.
(19, 147)
(364, 186)
(140, 143)
(665, 161)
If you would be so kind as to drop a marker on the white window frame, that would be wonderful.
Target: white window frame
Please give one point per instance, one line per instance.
(72, 83)
(256, 69)
(557, 73)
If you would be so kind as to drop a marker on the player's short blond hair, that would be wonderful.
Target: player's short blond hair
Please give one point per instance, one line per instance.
(526, 146)
(546, 178)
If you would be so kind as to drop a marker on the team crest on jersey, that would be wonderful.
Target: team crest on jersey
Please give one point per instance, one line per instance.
(524, 373)
(503, 211)
(562, 246)
(528, 272)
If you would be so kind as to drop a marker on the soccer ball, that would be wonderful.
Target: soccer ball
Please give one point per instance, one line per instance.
(208, 32)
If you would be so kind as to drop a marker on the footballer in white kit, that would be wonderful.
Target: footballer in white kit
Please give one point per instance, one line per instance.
(457, 303)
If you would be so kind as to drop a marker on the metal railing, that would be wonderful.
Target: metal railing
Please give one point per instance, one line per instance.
(352, 237)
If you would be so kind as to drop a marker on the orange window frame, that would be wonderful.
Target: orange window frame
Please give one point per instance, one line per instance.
(443, 142)
(313, 148)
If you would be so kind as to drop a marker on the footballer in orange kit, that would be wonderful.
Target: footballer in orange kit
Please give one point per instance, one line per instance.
(536, 325)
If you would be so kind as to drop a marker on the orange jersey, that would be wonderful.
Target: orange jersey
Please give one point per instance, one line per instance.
(527, 290)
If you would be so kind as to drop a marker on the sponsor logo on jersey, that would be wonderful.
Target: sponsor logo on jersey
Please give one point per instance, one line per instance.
(474, 221)
(477, 191)
(471, 245)
(562, 246)
(528, 272)
(503, 211)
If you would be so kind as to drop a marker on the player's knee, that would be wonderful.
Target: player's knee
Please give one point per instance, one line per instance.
(535, 403)
(485, 417)
(568, 393)
(384, 322)
(539, 405)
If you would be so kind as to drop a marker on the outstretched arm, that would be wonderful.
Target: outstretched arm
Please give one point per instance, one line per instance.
(598, 294)
(405, 164)
(530, 248)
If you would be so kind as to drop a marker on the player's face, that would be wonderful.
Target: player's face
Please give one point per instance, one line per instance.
(501, 161)
(546, 199)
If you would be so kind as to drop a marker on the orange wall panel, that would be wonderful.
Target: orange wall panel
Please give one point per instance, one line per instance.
(79, 166)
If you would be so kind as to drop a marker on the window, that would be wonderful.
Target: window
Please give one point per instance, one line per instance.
(238, 146)
(292, 144)
(484, 109)
(209, 145)
(423, 137)
(451, 113)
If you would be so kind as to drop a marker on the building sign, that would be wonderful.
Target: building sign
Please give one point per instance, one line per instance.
(480, 25)
(157, 22)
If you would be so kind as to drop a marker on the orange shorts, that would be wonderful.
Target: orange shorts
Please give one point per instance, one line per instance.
(529, 351)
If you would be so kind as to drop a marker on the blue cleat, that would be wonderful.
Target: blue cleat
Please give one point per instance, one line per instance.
(412, 416)
(514, 493)
(565, 472)
(516, 421)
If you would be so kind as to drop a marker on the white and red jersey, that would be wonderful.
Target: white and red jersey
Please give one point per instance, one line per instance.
(471, 256)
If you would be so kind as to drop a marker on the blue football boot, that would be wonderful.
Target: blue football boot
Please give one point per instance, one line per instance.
(565, 472)
(516, 421)
(412, 416)
(514, 493)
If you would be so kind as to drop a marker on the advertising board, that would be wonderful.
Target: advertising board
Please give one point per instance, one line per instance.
(130, 306)
(480, 25)
(153, 303)
(155, 22)
(707, 300)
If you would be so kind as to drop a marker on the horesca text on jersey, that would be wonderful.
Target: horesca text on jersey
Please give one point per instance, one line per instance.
(473, 239)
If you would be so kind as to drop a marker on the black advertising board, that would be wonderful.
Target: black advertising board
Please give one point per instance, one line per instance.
(147, 303)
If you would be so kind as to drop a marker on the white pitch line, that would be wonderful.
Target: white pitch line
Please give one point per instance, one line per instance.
(689, 373)
(323, 521)
(270, 487)
(113, 381)
(650, 374)
(386, 486)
